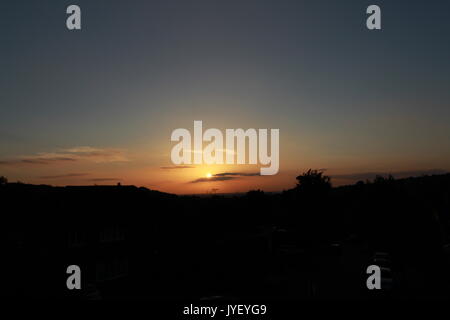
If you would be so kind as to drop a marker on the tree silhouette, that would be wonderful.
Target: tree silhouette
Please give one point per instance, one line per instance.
(382, 180)
(313, 182)
(313, 205)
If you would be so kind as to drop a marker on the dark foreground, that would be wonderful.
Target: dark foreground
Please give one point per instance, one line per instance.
(312, 242)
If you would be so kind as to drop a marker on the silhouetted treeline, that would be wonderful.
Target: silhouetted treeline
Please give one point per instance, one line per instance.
(313, 241)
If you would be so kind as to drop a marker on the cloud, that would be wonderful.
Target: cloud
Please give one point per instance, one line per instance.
(177, 167)
(398, 174)
(226, 176)
(97, 155)
(36, 160)
(69, 175)
(239, 174)
(213, 179)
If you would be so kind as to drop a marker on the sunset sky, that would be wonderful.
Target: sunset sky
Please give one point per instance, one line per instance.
(98, 106)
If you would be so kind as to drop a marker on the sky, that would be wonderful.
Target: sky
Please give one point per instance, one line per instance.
(98, 105)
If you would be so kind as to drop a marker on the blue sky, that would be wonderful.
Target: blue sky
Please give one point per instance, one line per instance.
(344, 98)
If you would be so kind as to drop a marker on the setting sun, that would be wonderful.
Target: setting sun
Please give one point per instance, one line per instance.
(209, 175)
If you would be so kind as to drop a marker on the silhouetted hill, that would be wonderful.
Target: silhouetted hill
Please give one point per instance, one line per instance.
(116, 189)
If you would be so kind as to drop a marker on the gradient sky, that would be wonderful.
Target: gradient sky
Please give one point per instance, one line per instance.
(99, 105)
